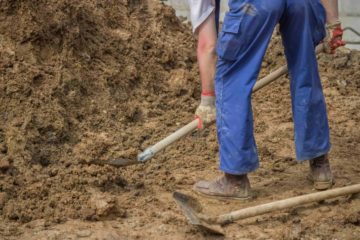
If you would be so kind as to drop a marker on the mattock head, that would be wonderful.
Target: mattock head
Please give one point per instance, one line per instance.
(191, 209)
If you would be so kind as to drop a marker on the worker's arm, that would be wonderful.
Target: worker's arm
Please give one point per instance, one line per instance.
(206, 55)
(332, 10)
(333, 39)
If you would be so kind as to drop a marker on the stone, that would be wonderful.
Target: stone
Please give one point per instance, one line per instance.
(103, 204)
(324, 209)
(84, 233)
(4, 162)
(4, 197)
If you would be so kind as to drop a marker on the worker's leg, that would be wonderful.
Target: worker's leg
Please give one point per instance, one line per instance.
(302, 28)
(242, 43)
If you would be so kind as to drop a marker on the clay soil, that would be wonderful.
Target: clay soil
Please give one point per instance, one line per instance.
(84, 81)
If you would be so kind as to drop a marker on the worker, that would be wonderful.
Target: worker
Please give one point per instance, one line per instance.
(242, 43)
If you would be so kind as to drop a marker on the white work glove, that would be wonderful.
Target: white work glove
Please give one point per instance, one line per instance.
(206, 112)
(333, 38)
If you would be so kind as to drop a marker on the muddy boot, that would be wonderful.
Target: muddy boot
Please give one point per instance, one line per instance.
(227, 187)
(320, 173)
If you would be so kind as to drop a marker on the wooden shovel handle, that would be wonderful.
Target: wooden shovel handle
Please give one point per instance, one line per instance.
(286, 203)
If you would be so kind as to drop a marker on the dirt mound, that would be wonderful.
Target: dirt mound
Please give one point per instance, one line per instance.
(95, 80)
(76, 77)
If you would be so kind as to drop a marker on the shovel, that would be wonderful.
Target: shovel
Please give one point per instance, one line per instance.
(192, 208)
(150, 152)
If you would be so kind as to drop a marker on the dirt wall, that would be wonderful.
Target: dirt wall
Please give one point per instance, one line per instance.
(96, 80)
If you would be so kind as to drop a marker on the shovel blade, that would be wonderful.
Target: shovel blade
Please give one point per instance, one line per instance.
(191, 208)
(120, 162)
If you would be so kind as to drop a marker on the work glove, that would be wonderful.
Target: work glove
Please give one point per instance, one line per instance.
(206, 112)
(333, 38)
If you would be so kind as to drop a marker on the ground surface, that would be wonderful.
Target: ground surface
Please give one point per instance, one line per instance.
(95, 80)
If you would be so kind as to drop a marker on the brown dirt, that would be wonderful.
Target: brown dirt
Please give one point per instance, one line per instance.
(95, 80)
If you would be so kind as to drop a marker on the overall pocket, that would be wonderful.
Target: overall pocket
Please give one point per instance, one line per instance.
(230, 43)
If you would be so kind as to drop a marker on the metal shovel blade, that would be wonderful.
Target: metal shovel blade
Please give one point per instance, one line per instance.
(120, 162)
(123, 162)
(191, 209)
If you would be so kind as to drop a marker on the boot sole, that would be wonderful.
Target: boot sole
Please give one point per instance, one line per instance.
(219, 197)
(321, 185)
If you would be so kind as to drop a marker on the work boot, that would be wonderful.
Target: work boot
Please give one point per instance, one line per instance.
(320, 173)
(228, 187)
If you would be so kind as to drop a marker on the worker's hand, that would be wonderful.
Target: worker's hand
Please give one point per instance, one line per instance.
(333, 38)
(206, 112)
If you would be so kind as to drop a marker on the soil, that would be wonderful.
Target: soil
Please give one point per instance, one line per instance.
(97, 80)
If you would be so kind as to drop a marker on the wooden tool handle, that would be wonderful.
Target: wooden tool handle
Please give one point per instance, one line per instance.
(286, 203)
(151, 151)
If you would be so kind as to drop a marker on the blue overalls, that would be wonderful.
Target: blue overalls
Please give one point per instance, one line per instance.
(243, 40)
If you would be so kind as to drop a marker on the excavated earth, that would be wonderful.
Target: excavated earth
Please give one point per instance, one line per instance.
(84, 81)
